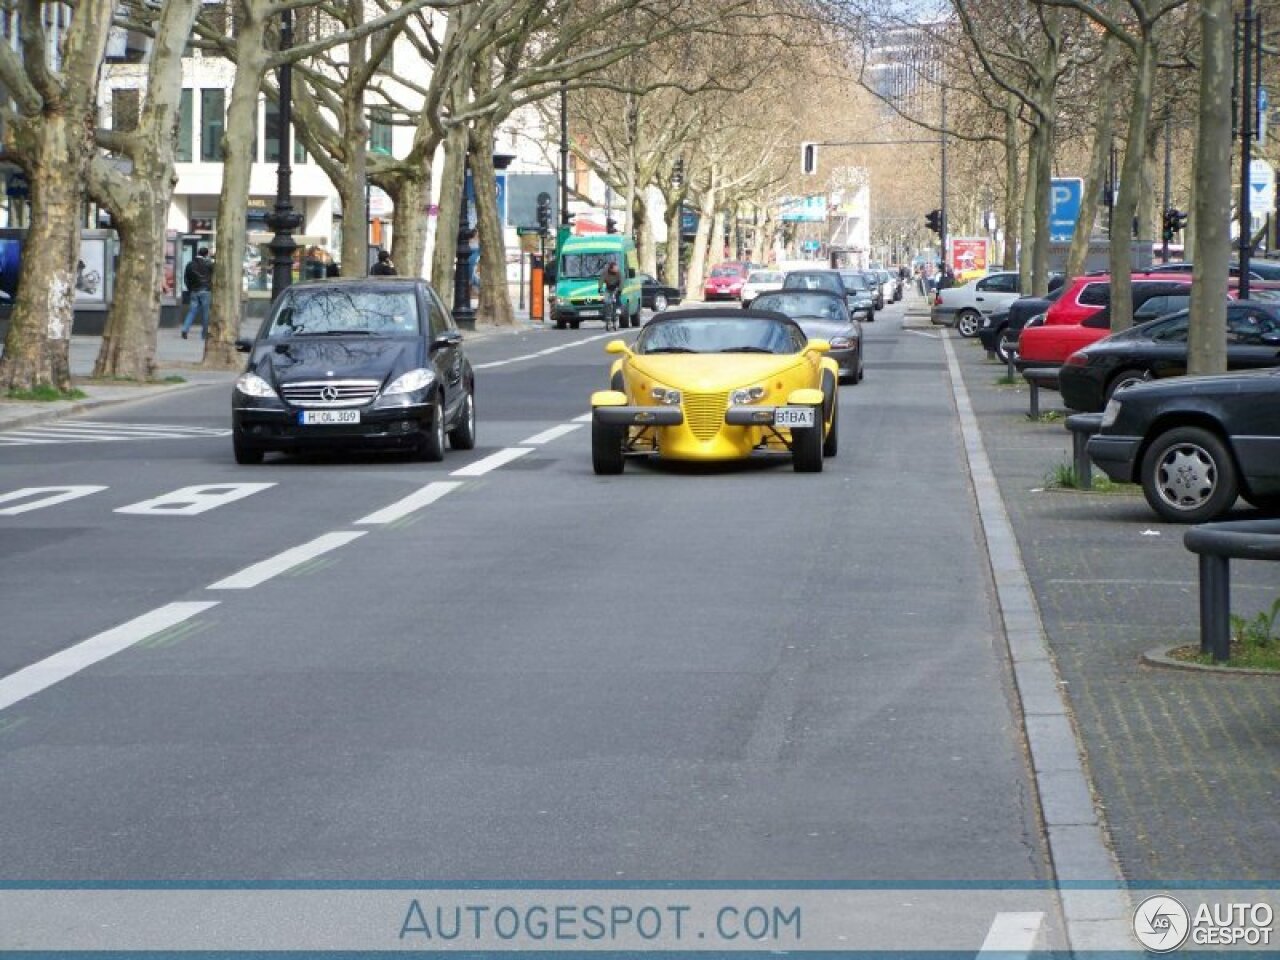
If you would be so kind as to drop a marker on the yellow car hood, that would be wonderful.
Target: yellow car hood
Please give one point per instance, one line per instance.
(712, 372)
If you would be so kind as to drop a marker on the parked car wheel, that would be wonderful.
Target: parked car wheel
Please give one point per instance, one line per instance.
(635, 319)
(1188, 475)
(831, 445)
(574, 324)
(967, 323)
(1126, 378)
(560, 324)
(806, 446)
(245, 450)
(659, 302)
(430, 446)
(606, 449)
(1006, 346)
(463, 434)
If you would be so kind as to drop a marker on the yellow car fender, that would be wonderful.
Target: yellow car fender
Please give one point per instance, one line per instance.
(831, 367)
(608, 398)
(805, 397)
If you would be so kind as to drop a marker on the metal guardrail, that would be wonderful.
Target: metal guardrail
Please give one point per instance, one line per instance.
(1217, 544)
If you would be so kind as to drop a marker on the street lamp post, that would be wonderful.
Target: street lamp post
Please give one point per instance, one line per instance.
(677, 181)
(284, 220)
(463, 315)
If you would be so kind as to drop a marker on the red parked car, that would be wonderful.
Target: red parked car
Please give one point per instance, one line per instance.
(725, 282)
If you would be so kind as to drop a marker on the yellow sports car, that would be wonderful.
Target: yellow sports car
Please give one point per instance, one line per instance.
(717, 385)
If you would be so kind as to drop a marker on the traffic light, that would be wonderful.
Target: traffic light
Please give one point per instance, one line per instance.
(933, 220)
(1174, 222)
(809, 158)
(544, 212)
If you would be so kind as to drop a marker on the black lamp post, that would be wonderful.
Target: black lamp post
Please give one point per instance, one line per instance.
(284, 220)
(677, 181)
(463, 315)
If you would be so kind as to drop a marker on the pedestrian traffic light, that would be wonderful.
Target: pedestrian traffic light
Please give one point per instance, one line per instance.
(933, 220)
(544, 212)
(1174, 222)
(809, 158)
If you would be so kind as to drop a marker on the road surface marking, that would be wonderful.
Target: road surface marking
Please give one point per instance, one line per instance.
(491, 462)
(922, 333)
(189, 501)
(585, 418)
(264, 570)
(95, 431)
(546, 436)
(414, 501)
(541, 353)
(45, 673)
(1012, 933)
(54, 495)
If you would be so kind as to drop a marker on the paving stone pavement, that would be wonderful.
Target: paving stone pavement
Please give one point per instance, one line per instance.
(1186, 765)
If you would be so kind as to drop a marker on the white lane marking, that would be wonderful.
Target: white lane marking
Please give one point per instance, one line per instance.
(54, 495)
(189, 501)
(414, 501)
(99, 431)
(546, 436)
(264, 570)
(585, 418)
(491, 462)
(922, 333)
(541, 353)
(1012, 933)
(52, 669)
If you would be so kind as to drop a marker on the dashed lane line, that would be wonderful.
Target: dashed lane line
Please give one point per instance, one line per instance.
(540, 353)
(264, 570)
(546, 436)
(412, 503)
(65, 663)
(1012, 935)
(491, 462)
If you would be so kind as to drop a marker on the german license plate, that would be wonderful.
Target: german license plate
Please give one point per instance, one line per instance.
(588, 313)
(793, 417)
(328, 418)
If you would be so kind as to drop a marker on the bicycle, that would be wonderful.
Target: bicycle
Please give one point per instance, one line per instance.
(611, 307)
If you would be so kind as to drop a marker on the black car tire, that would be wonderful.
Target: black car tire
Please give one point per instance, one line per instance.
(618, 382)
(463, 434)
(871, 317)
(968, 322)
(635, 320)
(430, 446)
(246, 452)
(659, 302)
(560, 324)
(606, 449)
(1006, 345)
(806, 446)
(1209, 487)
(831, 445)
(573, 324)
(1126, 378)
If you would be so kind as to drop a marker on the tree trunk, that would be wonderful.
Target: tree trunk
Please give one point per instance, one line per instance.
(1207, 343)
(1041, 183)
(1096, 175)
(411, 194)
(716, 247)
(451, 179)
(1131, 188)
(1012, 178)
(671, 269)
(1030, 208)
(646, 246)
(237, 148)
(495, 297)
(701, 244)
(354, 189)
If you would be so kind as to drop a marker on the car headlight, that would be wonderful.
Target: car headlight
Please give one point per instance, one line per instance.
(841, 343)
(665, 396)
(410, 382)
(746, 395)
(252, 385)
(1111, 413)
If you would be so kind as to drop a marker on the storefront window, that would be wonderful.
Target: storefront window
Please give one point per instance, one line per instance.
(212, 118)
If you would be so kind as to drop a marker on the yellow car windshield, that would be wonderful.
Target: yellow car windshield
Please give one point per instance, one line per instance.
(721, 335)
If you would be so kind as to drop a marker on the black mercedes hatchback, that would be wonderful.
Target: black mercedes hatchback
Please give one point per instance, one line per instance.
(355, 363)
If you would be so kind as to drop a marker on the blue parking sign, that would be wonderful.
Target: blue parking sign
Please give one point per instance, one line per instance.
(1065, 196)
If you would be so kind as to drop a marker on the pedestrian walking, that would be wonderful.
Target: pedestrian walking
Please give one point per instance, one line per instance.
(384, 267)
(198, 279)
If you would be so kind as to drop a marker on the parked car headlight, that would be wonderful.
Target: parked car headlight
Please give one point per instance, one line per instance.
(1111, 413)
(746, 395)
(665, 396)
(410, 382)
(841, 343)
(252, 385)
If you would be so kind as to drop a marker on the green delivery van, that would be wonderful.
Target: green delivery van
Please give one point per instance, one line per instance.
(579, 262)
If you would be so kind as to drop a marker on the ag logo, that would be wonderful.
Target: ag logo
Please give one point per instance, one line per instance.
(1161, 924)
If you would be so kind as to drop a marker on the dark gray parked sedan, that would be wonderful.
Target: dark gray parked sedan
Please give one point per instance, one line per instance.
(822, 315)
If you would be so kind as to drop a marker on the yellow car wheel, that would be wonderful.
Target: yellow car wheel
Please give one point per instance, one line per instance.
(806, 446)
(831, 444)
(606, 448)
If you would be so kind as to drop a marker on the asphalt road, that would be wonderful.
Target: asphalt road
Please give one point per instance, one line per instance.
(738, 673)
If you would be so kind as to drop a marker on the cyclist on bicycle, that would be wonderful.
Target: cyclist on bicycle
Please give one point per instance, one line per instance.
(610, 285)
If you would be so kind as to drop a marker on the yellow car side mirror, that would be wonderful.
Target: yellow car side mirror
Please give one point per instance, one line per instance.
(820, 346)
(616, 346)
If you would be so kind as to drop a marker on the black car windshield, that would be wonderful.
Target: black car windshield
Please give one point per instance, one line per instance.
(854, 282)
(801, 304)
(720, 335)
(346, 311)
(586, 265)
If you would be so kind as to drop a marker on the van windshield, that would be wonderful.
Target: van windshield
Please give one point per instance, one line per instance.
(586, 266)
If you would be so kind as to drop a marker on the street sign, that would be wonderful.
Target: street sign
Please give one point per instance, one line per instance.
(1262, 186)
(1065, 196)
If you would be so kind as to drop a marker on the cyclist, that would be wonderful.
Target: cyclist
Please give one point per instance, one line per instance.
(610, 285)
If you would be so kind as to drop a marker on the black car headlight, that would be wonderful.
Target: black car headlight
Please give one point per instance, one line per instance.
(252, 385)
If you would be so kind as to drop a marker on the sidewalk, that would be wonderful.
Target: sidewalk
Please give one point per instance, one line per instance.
(176, 359)
(1185, 765)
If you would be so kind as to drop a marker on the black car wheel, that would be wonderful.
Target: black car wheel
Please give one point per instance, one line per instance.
(463, 434)
(606, 448)
(1126, 378)
(245, 450)
(1188, 475)
(1006, 345)
(806, 446)
(560, 324)
(831, 445)
(967, 323)
(659, 302)
(430, 446)
(573, 324)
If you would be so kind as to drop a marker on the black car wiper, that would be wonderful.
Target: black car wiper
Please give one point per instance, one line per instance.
(669, 350)
(745, 350)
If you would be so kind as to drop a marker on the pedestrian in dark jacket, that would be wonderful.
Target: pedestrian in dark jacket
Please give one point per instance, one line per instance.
(384, 267)
(198, 279)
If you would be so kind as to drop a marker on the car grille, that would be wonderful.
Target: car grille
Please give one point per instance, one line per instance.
(704, 412)
(330, 393)
(586, 301)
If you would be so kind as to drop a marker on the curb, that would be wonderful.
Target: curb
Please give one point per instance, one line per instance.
(1159, 658)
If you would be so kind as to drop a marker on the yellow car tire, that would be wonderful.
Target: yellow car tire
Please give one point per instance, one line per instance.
(606, 449)
(806, 446)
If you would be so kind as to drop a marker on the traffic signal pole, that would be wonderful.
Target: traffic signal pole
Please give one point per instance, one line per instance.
(942, 128)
